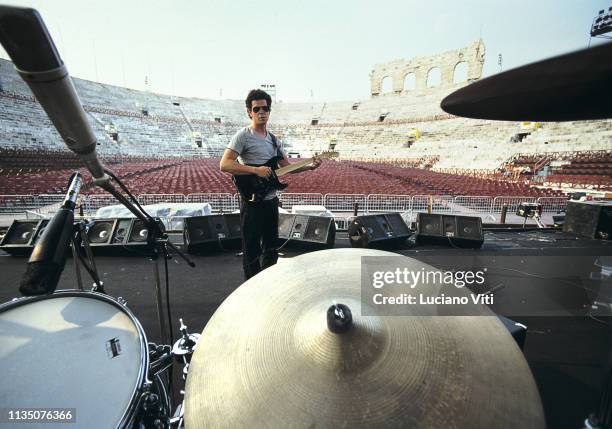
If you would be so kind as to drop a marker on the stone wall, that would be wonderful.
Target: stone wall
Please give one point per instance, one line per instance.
(397, 70)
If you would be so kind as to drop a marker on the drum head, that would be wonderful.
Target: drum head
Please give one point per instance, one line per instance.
(72, 350)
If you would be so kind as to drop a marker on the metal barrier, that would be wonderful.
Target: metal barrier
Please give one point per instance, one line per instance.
(49, 203)
(344, 202)
(289, 200)
(91, 203)
(145, 199)
(439, 203)
(511, 202)
(339, 203)
(473, 204)
(388, 203)
(552, 204)
(223, 203)
(15, 204)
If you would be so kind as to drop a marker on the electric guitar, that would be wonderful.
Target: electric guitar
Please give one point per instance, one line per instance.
(254, 188)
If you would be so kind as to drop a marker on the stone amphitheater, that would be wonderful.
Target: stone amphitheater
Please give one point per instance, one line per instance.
(400, 126)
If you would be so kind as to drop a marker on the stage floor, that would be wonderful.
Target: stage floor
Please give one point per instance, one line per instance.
(567, 345)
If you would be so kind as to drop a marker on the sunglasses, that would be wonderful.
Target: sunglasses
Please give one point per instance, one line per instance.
(256, 109)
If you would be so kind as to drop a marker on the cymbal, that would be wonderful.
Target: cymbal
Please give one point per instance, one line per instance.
(268, 359)
(570, 87)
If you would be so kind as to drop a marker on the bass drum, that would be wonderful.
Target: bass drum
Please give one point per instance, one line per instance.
(73, 350)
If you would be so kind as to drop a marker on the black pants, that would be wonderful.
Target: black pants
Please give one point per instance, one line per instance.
(259, 223)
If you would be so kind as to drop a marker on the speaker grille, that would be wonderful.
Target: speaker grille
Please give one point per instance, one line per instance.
(20, 232)
(197, 230)
(139, 232)
(448, 230)
(375, 226)
(430, 224)
(100, 232)
(469, 227)
(212, 228)
(285, 225)
(318, 229)
(398, 225)
(218, 227)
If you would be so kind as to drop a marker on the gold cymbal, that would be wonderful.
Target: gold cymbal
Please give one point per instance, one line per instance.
(267, 359)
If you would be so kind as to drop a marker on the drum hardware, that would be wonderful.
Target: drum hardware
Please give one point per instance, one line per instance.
(177, 420)
(154, 406)
(183, 349)
(182, 352)
(152, 411)
(161, 358)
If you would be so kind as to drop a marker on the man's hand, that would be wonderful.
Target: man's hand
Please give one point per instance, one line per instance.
(263, 171)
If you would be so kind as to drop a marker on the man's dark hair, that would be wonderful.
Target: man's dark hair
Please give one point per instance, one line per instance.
(257, 94)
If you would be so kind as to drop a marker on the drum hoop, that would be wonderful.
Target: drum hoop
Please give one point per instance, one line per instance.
(143, 373)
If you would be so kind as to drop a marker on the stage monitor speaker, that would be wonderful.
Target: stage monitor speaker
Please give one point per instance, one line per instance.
(109, 232)
(449, 230)
(22, 235)
(119, 236)
(307, 229)
(589, 219)
(285, 225)
(205, 232)
(378, 230)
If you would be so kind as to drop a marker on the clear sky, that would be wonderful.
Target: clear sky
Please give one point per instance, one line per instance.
(314, 50)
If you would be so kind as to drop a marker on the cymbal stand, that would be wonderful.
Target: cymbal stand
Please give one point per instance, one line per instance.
(161, 244)
(183, 351)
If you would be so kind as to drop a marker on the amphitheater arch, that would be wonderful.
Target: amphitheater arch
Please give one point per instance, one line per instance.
(386, 85)
(410, 81)
(434, 77)
(460, 74)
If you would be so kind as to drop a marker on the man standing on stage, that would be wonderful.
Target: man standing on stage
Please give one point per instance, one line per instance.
(255, 145)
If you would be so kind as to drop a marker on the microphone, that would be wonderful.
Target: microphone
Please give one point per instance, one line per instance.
(49, 255)
(27, 41)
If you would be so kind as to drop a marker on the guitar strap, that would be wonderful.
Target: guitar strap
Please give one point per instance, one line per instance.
(275, 143)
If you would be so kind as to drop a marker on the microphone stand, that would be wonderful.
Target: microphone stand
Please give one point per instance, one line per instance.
(157, 238)
(38, 62)
(79, 239)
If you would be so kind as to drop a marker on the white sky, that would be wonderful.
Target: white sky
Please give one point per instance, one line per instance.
(315, 50)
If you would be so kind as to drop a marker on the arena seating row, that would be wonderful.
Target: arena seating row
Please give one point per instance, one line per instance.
(152, 126)
(590, 163)
(202, 175)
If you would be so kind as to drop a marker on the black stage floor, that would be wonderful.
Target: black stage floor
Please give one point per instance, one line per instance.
(567, 348)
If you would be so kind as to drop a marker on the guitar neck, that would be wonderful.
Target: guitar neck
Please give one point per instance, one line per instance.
(293, 166)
